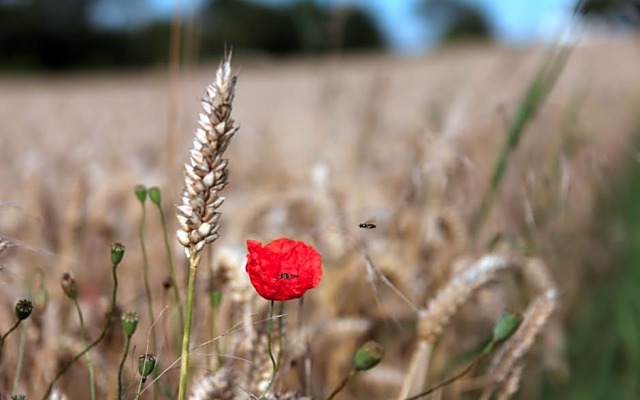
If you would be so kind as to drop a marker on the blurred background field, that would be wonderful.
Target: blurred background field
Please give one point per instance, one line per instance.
(394, 112)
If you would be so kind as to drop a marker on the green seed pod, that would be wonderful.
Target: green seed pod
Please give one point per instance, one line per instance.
(117, 253)
(155, 196)
(23, 309)
(42, 299)
(18, 397)
(216, 298)
(129, 322)
(141, 193)
(69, 286)
(146, 364)
(505, 327)
(368, 356)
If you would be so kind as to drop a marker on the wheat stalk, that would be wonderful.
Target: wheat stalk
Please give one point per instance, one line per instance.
(205, 176)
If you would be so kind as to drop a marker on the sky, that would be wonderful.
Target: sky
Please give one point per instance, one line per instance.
(513, 22)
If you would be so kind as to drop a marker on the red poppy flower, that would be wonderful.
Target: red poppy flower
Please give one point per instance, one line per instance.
(283, 269)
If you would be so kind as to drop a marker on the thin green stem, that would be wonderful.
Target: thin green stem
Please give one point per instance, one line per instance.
(13, 328)
(140, 386)
(280, 332)
(535, 96)
(83, 337)
(145, 266)
(214, 333)
(342, 384)
(172, 274)
(269, 347)
(121, 367)
(186, 336)
(106, 327)
(485, 352)
(21, 346)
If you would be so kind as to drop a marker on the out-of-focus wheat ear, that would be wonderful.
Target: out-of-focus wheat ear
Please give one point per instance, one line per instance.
(220, 385)
(512, 383)
(537, 275)
(206, 173)
(57, 394)
(72, 223)
(291, 395)
(228, 272)
(434, 318)
(513, 351)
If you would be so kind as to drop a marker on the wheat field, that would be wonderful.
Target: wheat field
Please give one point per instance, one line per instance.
(408, 144)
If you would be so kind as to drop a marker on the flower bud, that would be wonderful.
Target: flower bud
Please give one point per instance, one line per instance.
(42, 299)
(129, 322)
(505, 327)
(18, 397)
(146, 364)
(368, 356)
(141, 193)
(69, 286)
(117, 253)
(154, 195)
(23, 309)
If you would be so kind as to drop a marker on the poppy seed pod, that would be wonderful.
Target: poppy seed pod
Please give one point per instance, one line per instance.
(146, 364)
(155, 196)
(141, 193)
(69, 285)
(117, 253)
(368, 356)
(23, 309)
(506, 326)
(129, 321)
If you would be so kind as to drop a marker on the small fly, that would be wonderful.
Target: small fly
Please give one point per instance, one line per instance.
(367, 225)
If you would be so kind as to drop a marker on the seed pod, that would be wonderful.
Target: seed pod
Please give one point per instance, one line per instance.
(69, 286)
(146, 364)
(23, 309)
(117, 253)
(129, 321)
(368, 356)
(18, 397)
(155, 195)
(141, 193)
(506, 326)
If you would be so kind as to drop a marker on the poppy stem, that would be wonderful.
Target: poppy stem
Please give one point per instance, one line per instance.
(269, 340)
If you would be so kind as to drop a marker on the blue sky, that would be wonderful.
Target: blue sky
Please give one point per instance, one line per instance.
(513, 21)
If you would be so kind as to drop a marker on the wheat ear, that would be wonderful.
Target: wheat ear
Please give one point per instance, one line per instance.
(503, 367)
(205, 176)
(442, 308)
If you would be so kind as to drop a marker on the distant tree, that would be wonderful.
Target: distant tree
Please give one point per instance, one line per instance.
(304, 26)
(457, 19)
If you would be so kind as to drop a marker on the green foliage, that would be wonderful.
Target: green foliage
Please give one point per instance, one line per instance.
(458, 19)
(53, 35)
(603, 338)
